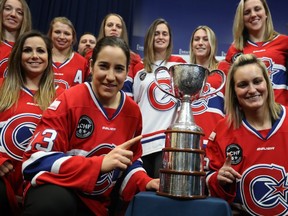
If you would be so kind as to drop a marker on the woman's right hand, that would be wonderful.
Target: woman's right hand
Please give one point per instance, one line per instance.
(226, 174)
(120, 157)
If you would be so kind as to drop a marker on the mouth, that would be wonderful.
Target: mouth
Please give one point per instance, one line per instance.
(255, 21)
(253, 98)
(114, 34)
(109, 85)
(12, 21)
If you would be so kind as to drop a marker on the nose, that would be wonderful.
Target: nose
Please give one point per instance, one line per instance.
(34, 55)
(253, 13)
(252, 88)
(110, 75)
(13, 12)
(61, 35)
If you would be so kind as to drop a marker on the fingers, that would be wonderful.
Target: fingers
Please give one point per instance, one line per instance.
(6, 168)
(228, 160)
(131, 142)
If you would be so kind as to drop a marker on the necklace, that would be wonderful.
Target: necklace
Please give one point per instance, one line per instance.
(158, 65)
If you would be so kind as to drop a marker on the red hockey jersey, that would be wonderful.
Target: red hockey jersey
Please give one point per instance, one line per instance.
(17, 125)
(73, 71)
(209, 110)
(274, 54)
(5, 50)
(71, 140)
(259, 158)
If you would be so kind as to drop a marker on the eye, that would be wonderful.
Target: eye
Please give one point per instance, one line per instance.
(27, 50)
(20, 12)
(103, 66)
(241, 84)
(246, 12)
(119, 26)
(119, 68)
(41, 50)
(165, 33)
(258, 81)
(205, 39)
(67, 33)
(258, 8)
(110, 24)
(7, 7)
(156, 33)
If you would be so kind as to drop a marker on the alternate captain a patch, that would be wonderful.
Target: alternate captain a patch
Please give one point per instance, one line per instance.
(236, 151)
(85, 127)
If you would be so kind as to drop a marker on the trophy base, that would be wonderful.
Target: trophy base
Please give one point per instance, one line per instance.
(182, 184)
(180, 196)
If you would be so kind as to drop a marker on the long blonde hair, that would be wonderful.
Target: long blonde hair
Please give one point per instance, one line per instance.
(232, 107)
(26, 22)
(241, 34)
(213, 63)
(16, 78)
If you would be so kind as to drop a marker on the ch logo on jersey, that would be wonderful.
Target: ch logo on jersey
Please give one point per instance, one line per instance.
(268, 63)
(3, 66)
(158, 99)
(62, 83)
(213, 102)
(106, 180)
(16, 134)
(264, 189)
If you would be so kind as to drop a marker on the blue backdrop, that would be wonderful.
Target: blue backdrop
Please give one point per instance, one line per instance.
(183, 15)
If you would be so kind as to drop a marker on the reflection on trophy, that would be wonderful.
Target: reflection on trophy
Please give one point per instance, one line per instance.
(182, 174)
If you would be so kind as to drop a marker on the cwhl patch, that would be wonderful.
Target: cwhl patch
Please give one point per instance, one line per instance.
(85, 127)
(236, 151)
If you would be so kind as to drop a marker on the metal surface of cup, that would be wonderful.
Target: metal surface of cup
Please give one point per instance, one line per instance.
(182, 160)
(179, 185)
(182, 174)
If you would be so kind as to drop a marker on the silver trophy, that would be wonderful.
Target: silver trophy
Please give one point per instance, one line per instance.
(182, 174)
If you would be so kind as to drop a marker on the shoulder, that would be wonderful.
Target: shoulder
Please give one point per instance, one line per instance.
(79, 57)
(224, 66)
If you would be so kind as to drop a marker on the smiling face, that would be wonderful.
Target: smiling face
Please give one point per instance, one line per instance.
(200, 45)
(161, 38)
(254, 16)
(34, 56)
(250, 88)
(109, 73)
(12, 15)
(62, 36)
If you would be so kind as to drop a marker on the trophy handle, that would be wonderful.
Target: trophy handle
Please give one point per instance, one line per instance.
(161, 68)
(223, 80)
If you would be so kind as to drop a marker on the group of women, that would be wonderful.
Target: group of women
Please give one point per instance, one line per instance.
(87, 143)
